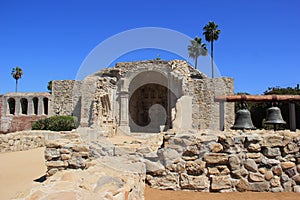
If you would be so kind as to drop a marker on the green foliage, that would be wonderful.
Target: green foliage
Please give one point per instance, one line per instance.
(49, 86)
(56, 123)
(196, 49)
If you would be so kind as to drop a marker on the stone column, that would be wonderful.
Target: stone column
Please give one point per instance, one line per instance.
(17, 106)
(292, 113)
(30, 106)
(124, 119)
(41, 106)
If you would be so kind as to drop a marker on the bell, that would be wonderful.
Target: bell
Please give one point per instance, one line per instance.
(274, 116)
(243, 120)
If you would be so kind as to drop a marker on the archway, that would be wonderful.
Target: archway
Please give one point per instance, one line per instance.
(150, 108)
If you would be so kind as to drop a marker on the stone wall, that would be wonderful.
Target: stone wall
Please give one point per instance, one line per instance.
(62, 97)
(205, 111)
(227, 162)
(67, 152)
(21, 141)
(1, 101)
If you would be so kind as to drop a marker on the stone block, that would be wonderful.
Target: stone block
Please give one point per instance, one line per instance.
(273, 141)
(269, 175)
(287, 165)
(256, 177)
(220, 183)
(234, 162)
(254, 147)
(195, 168)
(271, 152)
(200, 183)
(216, 158)
(250, 165)
(291, 148)
(242, 185)
(259, 187)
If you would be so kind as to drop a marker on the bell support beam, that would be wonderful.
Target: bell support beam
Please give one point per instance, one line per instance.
(257, 98)
(261, 98)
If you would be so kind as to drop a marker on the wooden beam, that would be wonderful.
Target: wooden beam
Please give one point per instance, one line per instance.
(257, 98)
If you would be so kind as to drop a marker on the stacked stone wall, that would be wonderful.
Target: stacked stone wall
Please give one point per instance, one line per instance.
(21, 141)
(206, 113)
(1, 101)
(227, 162)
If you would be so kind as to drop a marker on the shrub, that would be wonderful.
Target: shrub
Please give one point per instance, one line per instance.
(56, 123)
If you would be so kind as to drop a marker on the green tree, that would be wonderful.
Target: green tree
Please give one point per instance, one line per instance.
(211, 33)
(196, 49)
(17, 74)
(49, 86)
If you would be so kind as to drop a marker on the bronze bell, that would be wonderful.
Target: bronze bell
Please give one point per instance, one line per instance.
(243, 120)
(274, 116)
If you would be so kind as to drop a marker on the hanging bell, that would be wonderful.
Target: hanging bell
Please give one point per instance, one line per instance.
(274, 116)
(243, 120)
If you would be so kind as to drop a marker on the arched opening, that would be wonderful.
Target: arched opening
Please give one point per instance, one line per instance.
(150, 108)
(35, 102)
(11, 106)
(45, 102)
(24, 106)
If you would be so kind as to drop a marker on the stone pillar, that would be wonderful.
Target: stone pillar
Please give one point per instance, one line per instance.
(41, 106)
(30, 106)
(124, 114)
(17, 106)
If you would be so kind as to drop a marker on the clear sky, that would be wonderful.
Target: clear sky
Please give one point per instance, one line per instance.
(259, 44)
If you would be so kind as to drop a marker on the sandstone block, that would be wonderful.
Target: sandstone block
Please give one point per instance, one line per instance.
(296, 188)
(194, 182)
(240, 173)
(298, 168)
(275, 182)
(195, 167)
(65, 156)
(262, 170)
(216, 148)
(56, 164)
(291, 148)
(271, 152)
(255, 177)
(269, 175)
(234, 162)
(250, 165)
(51, 153)
(273, 141)
(242, 185)
(258, 187)
(254, 147)
(287, 165)
(221, 182)
(216, 158)
(290, 172)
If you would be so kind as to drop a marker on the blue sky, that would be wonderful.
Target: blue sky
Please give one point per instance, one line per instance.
(259, 44)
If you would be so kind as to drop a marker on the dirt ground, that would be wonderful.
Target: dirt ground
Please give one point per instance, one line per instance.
(18, 170)
(155, 194)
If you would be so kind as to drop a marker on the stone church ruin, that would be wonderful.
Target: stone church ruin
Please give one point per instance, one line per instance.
(145, 96)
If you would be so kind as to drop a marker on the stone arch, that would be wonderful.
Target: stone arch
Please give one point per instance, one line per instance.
(24, 106)
(45, 103)
(159, 78)
(35, 102)
(11, 106)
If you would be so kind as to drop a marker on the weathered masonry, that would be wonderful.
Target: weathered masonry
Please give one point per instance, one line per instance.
(145, 96)
(19, 110)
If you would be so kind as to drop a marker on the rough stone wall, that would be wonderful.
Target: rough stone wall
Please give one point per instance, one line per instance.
(66, 153)
(21, 141)
(205, 110)
(19, 123)
(62, 97)
(260, 161)
(1, 101)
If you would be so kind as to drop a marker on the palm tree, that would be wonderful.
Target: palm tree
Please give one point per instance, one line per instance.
(17, 74)
(211, 33)
(196, 49)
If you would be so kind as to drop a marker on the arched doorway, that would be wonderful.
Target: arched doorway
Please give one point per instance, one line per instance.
(150, 108)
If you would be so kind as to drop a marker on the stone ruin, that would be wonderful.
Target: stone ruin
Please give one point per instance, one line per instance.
(111, 154)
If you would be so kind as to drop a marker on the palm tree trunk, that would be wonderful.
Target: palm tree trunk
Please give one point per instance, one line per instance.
(196, 62)
(212, 58)
(16, 85)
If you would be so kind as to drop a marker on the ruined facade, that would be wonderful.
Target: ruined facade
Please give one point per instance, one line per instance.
(145, 96)
(19, 110)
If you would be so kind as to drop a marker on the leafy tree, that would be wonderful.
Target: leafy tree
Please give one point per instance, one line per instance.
(49, 86)
(211, 33)
(196, 49)
(17, 74)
